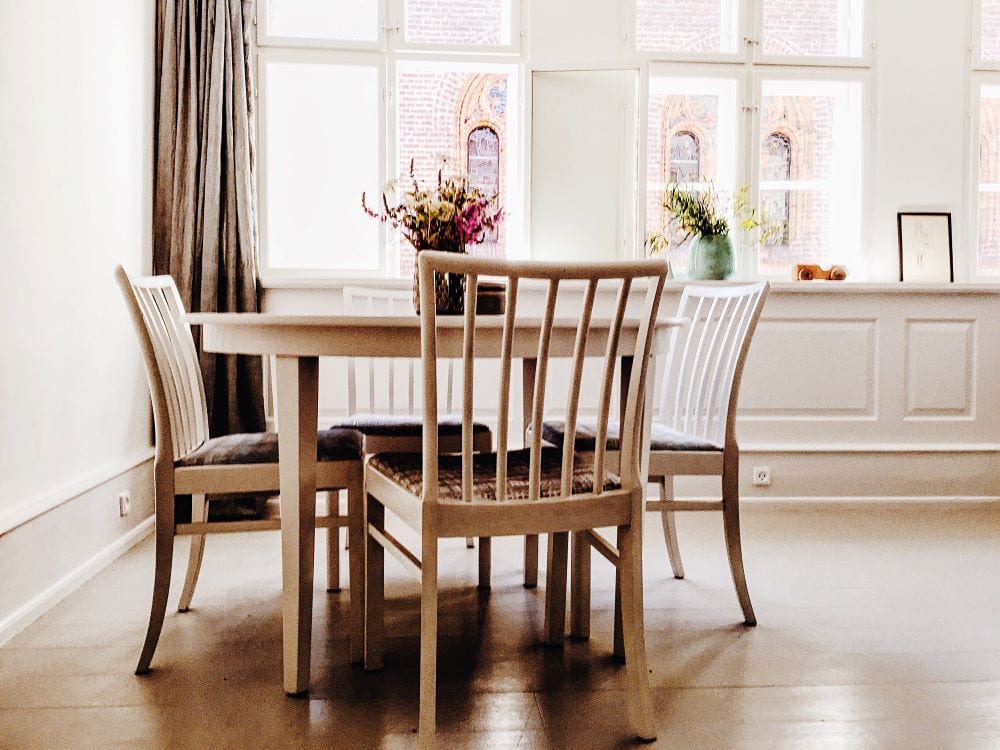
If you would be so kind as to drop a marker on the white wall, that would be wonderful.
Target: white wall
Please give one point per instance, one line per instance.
(75, 199)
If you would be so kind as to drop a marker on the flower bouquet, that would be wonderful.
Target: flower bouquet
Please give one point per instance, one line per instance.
(447, 217)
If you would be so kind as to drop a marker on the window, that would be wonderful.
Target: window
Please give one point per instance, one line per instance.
(796, 88)
(988, 182)
(826, 28)
(353, 92)
(685, 158)
(776, 167)
(989, 31)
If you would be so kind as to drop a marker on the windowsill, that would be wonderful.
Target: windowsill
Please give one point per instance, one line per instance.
(777, 286)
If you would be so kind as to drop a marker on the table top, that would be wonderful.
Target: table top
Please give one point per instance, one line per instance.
(399, 336)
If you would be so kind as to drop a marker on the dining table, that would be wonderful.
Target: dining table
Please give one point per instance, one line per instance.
(296, 342)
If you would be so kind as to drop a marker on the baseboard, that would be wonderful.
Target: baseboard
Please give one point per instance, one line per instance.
(33, 507)
(47, 599)
(867, 502)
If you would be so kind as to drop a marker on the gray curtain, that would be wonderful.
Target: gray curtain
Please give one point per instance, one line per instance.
(204, 204)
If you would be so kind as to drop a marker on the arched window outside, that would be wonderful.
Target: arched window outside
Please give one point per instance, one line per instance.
(685, 157)
(778, 168)
(483, 166)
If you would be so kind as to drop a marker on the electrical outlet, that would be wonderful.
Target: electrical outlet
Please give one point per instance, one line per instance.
(761, 476)
(124, 503)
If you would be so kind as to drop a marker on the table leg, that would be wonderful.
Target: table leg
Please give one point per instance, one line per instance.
(297, 396)
(528, 369)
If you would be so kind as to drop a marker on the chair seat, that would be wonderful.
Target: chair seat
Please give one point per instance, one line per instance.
(262, 448)
(664, 438)
(404, 425)
(406, 470)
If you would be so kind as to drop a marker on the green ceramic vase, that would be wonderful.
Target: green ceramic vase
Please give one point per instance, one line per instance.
(712, 257)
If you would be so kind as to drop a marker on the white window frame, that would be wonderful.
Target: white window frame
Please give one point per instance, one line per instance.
(386, 52)
(749, 32)
(750, 67)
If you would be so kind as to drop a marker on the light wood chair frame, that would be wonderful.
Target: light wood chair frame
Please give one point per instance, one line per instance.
(374, 301)
(704, 407)
(435, 518)
(180, 419)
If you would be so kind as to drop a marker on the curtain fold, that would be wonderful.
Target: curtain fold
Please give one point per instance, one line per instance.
(204, 204)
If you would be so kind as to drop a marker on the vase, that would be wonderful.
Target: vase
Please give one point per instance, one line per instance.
(711, 257)
(449, 291)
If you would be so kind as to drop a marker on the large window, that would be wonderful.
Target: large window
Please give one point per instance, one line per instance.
(781, 113)
(355, 91)
(984, 218)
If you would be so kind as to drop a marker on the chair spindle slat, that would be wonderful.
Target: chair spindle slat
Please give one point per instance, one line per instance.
(468, 385)
(538, 402)
(503, 408)
(576, 379)
(604, 405)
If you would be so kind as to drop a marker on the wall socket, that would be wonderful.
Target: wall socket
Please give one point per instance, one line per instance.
(761, 476)
(124, 503)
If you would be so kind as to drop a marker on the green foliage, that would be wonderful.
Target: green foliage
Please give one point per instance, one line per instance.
(706, 212)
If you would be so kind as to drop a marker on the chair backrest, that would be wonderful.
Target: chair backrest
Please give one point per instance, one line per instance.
(623, 275)
(175, 382)
(701, 377)
(390, 302)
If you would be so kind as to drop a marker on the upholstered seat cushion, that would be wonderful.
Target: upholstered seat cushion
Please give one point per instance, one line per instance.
(262, 448)
(406, 470)
(404, 425)
(664, 438)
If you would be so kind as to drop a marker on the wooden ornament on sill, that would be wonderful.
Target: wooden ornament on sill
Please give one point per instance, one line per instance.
(810, 272)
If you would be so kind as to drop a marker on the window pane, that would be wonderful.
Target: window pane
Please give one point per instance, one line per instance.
(345, 20)
(686, 26)
(830, 28)
(810, 171)
(692, 139)
(318, 159)
(442, 112)
(479, 22)
(989, 182)
(990, 30)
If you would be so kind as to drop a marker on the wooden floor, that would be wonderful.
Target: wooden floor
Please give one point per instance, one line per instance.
(877, 630)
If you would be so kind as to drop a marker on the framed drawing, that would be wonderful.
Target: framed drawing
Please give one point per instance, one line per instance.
(925, 252)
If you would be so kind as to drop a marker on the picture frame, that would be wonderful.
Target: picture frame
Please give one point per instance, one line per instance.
(926, 254)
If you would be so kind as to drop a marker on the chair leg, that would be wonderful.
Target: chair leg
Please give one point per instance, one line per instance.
(356, 565)
(199, 514)
(731, 524)
(374, 600)
(428, 642)
(555, 588)
(333, 543)
(670, 528)
(530, 561)
(639, 696)
(164, 555)
(485, 562)
(618, 644)
(579, 590)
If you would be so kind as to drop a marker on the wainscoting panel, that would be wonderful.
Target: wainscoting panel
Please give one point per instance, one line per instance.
(812, 369)
(941, 360)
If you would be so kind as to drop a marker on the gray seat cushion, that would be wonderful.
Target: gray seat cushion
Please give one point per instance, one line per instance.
(262, 448)
(664, 438)
(406, 470)
(404, 425)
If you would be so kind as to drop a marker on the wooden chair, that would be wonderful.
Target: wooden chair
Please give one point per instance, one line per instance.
(189, 462)
(693, 431)
(515, 492)
(391, 426)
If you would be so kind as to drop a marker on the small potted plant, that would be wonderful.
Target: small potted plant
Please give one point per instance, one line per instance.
(703, 215)
(447, 216)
